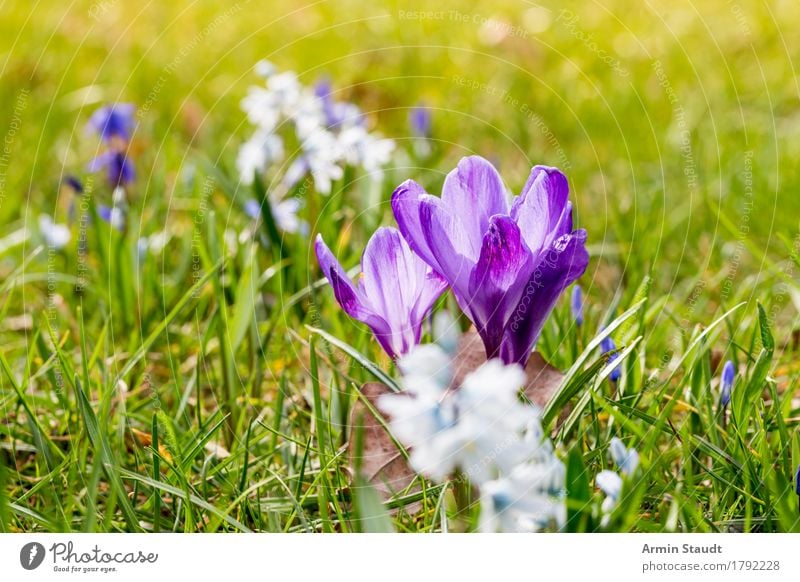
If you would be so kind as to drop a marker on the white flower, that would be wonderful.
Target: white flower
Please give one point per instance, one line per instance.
(332, 134)
(262, 108)
(285, 215)
(257, 153)
(265, 68)
(364, 149)
(529, 499)
(322, 154)
(478, 429)
(626, 459)
(611, 484)
(55, 235)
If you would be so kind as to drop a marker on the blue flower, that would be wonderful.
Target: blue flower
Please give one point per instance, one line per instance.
(74, 183)
(626, 459)
(420, 121)
(119, 168)
(113, 216)
(576, 305)
(606, 346)
(252, 208)
(113, 121)
(797, 481)
(726, 383)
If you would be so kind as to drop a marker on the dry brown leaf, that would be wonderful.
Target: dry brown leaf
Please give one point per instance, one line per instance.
(382, 463)
(543, 379)
(145, 439)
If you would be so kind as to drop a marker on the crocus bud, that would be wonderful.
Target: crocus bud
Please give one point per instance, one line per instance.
(608, 345)
(576, 305)
(726, 383)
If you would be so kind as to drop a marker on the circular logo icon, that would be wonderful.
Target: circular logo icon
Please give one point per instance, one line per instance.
(31, 555)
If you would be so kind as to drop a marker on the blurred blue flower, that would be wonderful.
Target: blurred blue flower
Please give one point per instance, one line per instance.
(119, 169)
(113, 121)
(335, 112)
(797, 481)
(420, 121)
(626, 459)
(252, 208)
(576, 305)
(606, 346)
(113, 216)
(726, 383)
(74, 183)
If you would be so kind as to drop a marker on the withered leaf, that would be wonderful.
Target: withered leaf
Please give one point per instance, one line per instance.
(543, 379)
(382, 463)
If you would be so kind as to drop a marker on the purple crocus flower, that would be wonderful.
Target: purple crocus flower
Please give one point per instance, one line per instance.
(113, 121)
(420, 121)
(119, 168)
(576, 305)
(726, 383)
(607, 345)
(507, 265)
(394, 294)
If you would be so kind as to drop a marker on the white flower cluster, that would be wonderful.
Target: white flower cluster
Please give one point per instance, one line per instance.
(609, 482)
(481, 431)
(331, 134)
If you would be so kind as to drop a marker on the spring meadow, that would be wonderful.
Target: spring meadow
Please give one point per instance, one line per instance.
(351, 267)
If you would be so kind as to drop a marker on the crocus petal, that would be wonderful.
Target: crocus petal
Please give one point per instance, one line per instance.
(343, 289)
(399, 286)
(474, 192)
(556, 269)
(496, 284)
(389, 282)
(434, 234)
(394, 295)
(542, 210)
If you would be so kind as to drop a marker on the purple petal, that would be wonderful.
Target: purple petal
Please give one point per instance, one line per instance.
(396, 286)
(496, 284)
(556, 269)
(99, 162)
(542, 211)
(434, 234)
(474, 192)
(113, 121)
(344, 291)
(349, 298)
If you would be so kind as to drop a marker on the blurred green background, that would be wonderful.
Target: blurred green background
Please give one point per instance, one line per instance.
(675, 121)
